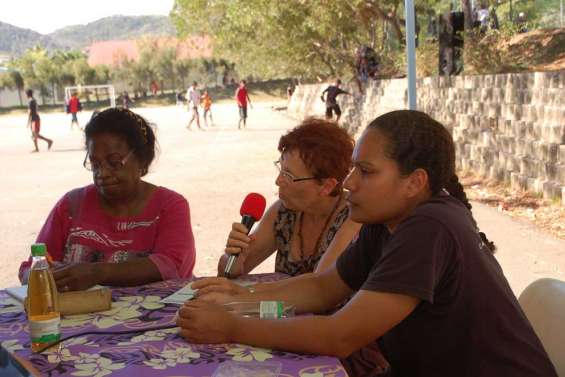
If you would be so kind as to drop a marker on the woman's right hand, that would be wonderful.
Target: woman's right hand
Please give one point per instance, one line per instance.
(237, 244)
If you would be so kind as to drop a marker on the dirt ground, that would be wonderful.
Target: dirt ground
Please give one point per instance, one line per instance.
(214, 170)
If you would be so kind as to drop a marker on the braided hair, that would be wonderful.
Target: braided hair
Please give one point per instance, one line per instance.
(417, 141)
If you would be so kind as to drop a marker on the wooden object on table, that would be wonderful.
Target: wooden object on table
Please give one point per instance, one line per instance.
(81, 302)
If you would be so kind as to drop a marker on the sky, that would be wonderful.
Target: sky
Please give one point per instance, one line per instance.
(46, 16)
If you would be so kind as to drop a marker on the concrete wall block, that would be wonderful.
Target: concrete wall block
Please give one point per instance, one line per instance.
(530, 114)
(556, 134)
(553, 79)
(529, 167)
(513, 163)
(532, 133)
(488, 81)
(519, 129)
(531, 184)
(505, 127)
(530, 80)
(500, 80)
(518, 181)
(496, 173)
(474, 152)
(551, 190)
(541, 112)
(521, 147)
(560, 173)
(507, 177)
(524, 80)
(475, 165)
(527, 98)
(484, 95)
(487, 156)
(511, 95)
(549, 152)
(469, 82)
(497, 95)
(517, 111)
(506, 144)
(487, 139)
(561, 154)
(540, 79)
(494, 110)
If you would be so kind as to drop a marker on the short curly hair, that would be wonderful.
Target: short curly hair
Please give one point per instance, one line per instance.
(324, 147)
(132, 127)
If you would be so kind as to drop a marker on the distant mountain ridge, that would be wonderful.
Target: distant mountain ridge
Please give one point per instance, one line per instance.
(15, 40)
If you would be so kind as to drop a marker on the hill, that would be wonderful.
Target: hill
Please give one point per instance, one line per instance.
(15, 40)
(111, 28)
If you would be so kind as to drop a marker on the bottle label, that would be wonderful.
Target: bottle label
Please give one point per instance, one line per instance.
(45, 331)
(270, 309)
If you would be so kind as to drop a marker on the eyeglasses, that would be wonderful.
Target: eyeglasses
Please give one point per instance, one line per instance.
(289, 178)
(112, 164)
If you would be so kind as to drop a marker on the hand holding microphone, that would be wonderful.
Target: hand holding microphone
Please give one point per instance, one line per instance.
(251, 210)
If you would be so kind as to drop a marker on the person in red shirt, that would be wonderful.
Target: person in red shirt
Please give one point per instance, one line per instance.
(242, 98)
(73, 107)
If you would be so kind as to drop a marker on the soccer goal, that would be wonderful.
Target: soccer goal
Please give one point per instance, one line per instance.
(97, 92)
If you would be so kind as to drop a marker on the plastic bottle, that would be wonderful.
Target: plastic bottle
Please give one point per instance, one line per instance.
(42, 302)
(261, 309)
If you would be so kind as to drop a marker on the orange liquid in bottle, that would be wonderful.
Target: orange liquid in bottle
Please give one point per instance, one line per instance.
(43, 309)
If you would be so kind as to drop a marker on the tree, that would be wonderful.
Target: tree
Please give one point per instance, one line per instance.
(182, 69)
(314, 38)
(12, 79)
(27, 66)
(84, 74)
(165, 66)
(274, 39)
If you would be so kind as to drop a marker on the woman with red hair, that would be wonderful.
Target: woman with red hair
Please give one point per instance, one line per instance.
(308, 227)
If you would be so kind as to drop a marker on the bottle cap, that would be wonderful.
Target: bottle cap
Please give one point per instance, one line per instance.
(38, 250)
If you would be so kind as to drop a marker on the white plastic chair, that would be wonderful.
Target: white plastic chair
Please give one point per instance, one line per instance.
(543, 301)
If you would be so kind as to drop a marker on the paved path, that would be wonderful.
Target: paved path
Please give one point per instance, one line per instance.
(214, 169)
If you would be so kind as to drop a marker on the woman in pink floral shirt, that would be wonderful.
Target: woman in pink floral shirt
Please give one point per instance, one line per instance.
(121, 230)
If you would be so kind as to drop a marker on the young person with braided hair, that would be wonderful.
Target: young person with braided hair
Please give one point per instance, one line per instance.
(121, 230)
(425, 281)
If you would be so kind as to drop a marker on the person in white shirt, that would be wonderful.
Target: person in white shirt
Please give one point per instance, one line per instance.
(193, 98)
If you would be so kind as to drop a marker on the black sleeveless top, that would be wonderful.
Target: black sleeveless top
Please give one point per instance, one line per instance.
(284, 226)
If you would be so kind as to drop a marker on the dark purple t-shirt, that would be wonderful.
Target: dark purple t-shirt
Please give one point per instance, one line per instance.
(469, 322)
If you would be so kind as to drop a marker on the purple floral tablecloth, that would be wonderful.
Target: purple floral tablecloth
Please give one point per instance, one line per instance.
(144, 352)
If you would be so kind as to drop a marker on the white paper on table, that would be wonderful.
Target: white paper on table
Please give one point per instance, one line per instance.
(180, 296)
(187, 293)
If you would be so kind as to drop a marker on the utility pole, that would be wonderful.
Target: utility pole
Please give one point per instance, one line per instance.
(411, 52)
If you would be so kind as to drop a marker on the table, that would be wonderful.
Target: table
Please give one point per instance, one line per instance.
(144, 353)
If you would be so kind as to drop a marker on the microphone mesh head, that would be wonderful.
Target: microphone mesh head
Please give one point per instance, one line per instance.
(253, 205)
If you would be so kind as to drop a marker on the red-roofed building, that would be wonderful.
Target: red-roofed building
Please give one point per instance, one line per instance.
(112, 52)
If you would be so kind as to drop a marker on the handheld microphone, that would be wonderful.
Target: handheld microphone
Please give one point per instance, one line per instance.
(251, 210)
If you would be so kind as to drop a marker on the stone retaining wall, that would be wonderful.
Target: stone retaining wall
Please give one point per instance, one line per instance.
(508, 127)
